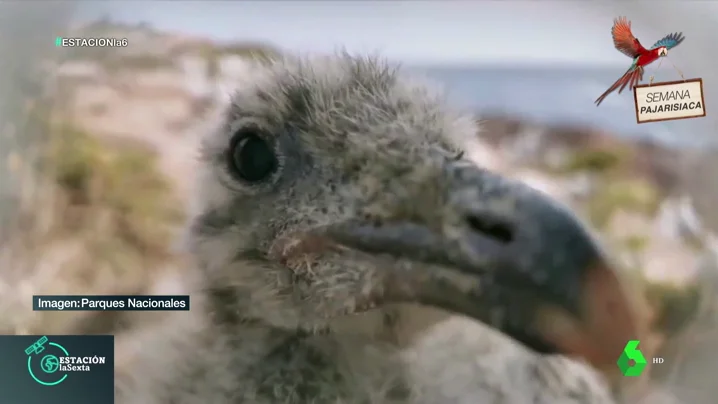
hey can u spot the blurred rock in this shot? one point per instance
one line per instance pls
(553, 147)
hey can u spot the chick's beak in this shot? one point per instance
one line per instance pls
(512, 258)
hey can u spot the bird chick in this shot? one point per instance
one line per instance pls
(336, 186)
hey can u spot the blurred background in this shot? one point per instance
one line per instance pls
(97, 143)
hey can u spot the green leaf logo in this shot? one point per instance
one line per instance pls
(631, 353)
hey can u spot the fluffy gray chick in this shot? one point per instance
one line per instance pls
(335, 187)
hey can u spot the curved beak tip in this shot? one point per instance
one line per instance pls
(608, 320)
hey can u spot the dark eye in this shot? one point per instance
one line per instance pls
(251, 158)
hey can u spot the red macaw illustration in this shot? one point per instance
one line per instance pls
(627, 44)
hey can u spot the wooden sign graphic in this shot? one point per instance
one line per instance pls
(669, 100)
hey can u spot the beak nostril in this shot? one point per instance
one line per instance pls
(502, 232)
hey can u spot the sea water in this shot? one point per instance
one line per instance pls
(565, 95)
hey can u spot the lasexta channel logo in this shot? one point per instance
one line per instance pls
(49, 363)
(632, 362)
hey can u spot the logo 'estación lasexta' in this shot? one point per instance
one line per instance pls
(49, 363)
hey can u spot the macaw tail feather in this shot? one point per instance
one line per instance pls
(629, 79)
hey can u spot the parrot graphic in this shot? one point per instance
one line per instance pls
(626, 43)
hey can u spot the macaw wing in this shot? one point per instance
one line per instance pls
(623, 38)
(670, 40)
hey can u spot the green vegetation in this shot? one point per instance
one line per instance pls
(675, 306)
(598, 161)
(633, 195)
(619, 189)
(98, 54)
(259, 52)
(635, 243)
(138, 62)
(113, 61)
(114, 195)
(99, 218)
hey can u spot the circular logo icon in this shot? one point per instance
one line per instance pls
(50, 363)
(43, 362)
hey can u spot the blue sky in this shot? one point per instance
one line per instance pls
(545, 32)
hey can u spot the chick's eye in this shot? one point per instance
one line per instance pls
(251, 158)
